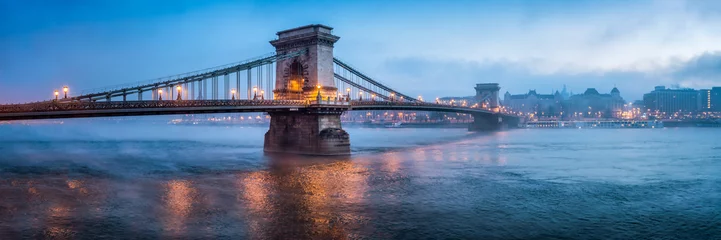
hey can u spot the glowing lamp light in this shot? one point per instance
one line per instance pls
(65, 89)
(347, 89)
(57, 93)
(232, 91)
(178, 88)
(160, 91)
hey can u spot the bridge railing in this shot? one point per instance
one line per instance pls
(86, 105)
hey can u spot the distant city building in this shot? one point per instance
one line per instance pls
(532, 102)
(564, 93)
(704, 100)
(593, 104)
(716, 99)
(666, 101)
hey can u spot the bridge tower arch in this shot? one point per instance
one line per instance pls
(488, 93)
(298, 78)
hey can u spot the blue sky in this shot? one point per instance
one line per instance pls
(429, 48)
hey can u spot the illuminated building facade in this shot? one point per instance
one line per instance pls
(532, 102)
(666, 101)
(592, 104)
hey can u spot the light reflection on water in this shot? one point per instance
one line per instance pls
(158, 181)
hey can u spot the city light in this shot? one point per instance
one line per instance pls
(179, 90)
(65, 90)
(56, 94)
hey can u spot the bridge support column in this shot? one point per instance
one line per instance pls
(492, 122)
(486, 122)
(311, 133)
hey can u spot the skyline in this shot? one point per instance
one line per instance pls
(413, 47)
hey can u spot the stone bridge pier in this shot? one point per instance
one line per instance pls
(492, 122)
(314, 132)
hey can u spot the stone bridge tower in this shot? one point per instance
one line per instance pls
(488, 93)
(298, 78)
(315, 130)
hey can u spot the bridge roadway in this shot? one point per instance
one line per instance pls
(84, 109)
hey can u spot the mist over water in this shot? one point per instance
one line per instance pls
(142, 180)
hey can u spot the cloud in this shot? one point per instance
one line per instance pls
(702, 71)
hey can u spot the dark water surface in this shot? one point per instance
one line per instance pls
(143, 181)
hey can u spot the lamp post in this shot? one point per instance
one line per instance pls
(56, 95)
(393, 97)
(262, 94)
(65, 90)
(179, 90)
(255, 93)
(160, 94)
(373, 97)
(232, 93)
(360, 96)
(347, 90)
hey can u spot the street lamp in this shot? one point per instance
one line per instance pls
(255, 93)
(232, 93)
(65, 90)
(179, 90)
(347, 90)
(160, 94)
(393, 96)
(318, 97)
(56, 95)
(360, 96)
(262, 94)
(373, 97)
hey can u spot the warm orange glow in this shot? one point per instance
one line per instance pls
(56, 93)
(318, 86)
(178, 88)
(65, 89)
(232, 91)
(255, 89)
(360, 93)
(160, 91)
(262, 92)
(347, 89)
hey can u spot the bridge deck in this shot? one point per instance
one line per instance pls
(80, 109)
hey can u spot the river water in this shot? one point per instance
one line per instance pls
(82, 180)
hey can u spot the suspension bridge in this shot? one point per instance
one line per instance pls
(302, 86)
